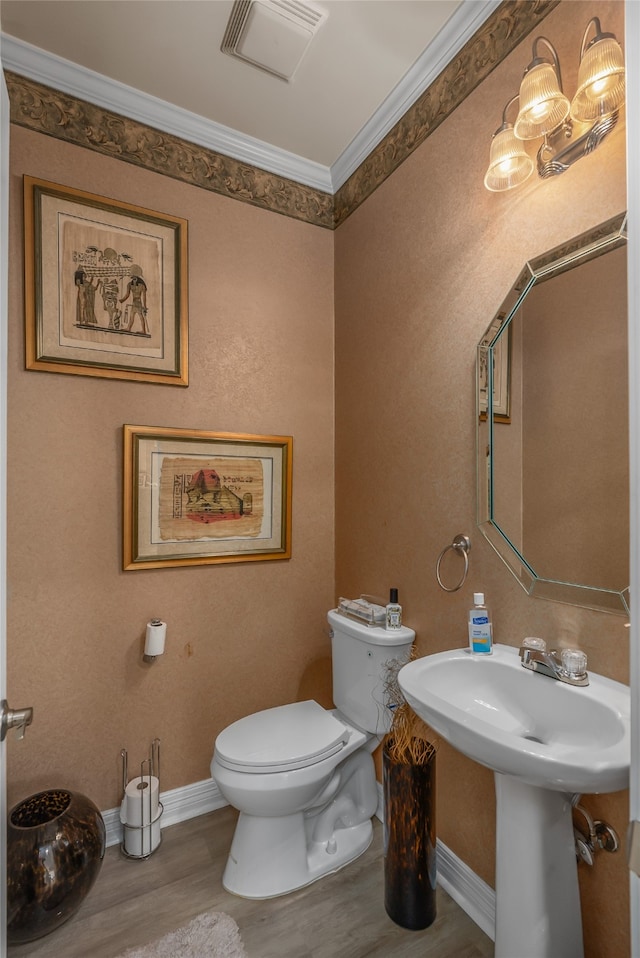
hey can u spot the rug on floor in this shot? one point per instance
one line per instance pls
(212, 935)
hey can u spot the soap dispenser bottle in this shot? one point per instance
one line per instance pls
(394, 611)
(480, 631)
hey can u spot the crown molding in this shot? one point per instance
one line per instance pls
(70, 78)
(67, 77)
(495, 38)
(468, 18)
(99, 115)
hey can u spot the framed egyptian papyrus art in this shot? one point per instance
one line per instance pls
(193, 497)
(105, 287)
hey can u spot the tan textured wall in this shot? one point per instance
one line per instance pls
(240, 637)
(421, 268)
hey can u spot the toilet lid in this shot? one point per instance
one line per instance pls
(281, 739)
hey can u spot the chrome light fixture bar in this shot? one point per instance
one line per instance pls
(545, 112)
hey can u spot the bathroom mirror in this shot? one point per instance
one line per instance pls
(552, 436)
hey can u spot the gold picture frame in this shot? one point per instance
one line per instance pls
(194, 497)
(106, 287)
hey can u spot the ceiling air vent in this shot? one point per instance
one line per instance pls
(271, 34)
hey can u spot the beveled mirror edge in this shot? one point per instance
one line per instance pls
(568, 593)
(580, 249)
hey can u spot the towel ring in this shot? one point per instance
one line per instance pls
(461, 544)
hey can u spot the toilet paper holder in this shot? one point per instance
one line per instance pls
(140, 840)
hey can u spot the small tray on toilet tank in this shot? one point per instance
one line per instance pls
(372, 634)
(362, 610)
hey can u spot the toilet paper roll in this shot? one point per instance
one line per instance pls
(140, 815)
(156, 634)
(141, 800)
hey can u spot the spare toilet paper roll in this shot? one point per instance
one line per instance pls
(140, 814)
(156, 634)
(141, 800)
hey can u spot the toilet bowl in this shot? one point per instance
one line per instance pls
(303, 777)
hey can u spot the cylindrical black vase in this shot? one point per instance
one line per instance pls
(55, 847)
(410, 840)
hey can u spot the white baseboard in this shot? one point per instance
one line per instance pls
(469, 891)
(180, 804)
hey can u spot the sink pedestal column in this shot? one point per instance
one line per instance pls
(537, 897)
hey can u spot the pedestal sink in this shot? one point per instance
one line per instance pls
(544, 741)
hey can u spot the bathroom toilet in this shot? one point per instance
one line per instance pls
(303, 777)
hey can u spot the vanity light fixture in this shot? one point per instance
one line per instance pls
(543, 105)
(600, 77)
(544, 111)
(509, 162)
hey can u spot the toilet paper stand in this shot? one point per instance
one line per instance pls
(140, 836)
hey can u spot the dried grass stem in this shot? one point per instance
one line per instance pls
(408, 740)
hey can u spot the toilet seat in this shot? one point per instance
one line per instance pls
(281, 739)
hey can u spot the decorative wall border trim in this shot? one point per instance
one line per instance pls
(64, 116)
(44, 110)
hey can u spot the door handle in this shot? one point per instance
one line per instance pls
(14, 718)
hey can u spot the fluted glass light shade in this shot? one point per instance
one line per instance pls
(601, 84)
(545, 112)
(543, 105)
(509, 163)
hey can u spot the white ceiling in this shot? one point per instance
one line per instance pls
(159, 61)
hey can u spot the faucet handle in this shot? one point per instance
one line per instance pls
(533, 642)
(574, 661)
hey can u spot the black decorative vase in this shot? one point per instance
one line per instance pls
(55, 848)
(409, 840)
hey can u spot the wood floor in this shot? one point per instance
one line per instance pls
(340, 916)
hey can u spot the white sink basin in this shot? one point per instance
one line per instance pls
(520, 723)
(544, 740)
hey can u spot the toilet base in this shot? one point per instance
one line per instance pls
(274, 856)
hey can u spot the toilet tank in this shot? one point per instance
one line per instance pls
(360, 654)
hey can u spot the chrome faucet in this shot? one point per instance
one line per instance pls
(569, 666)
